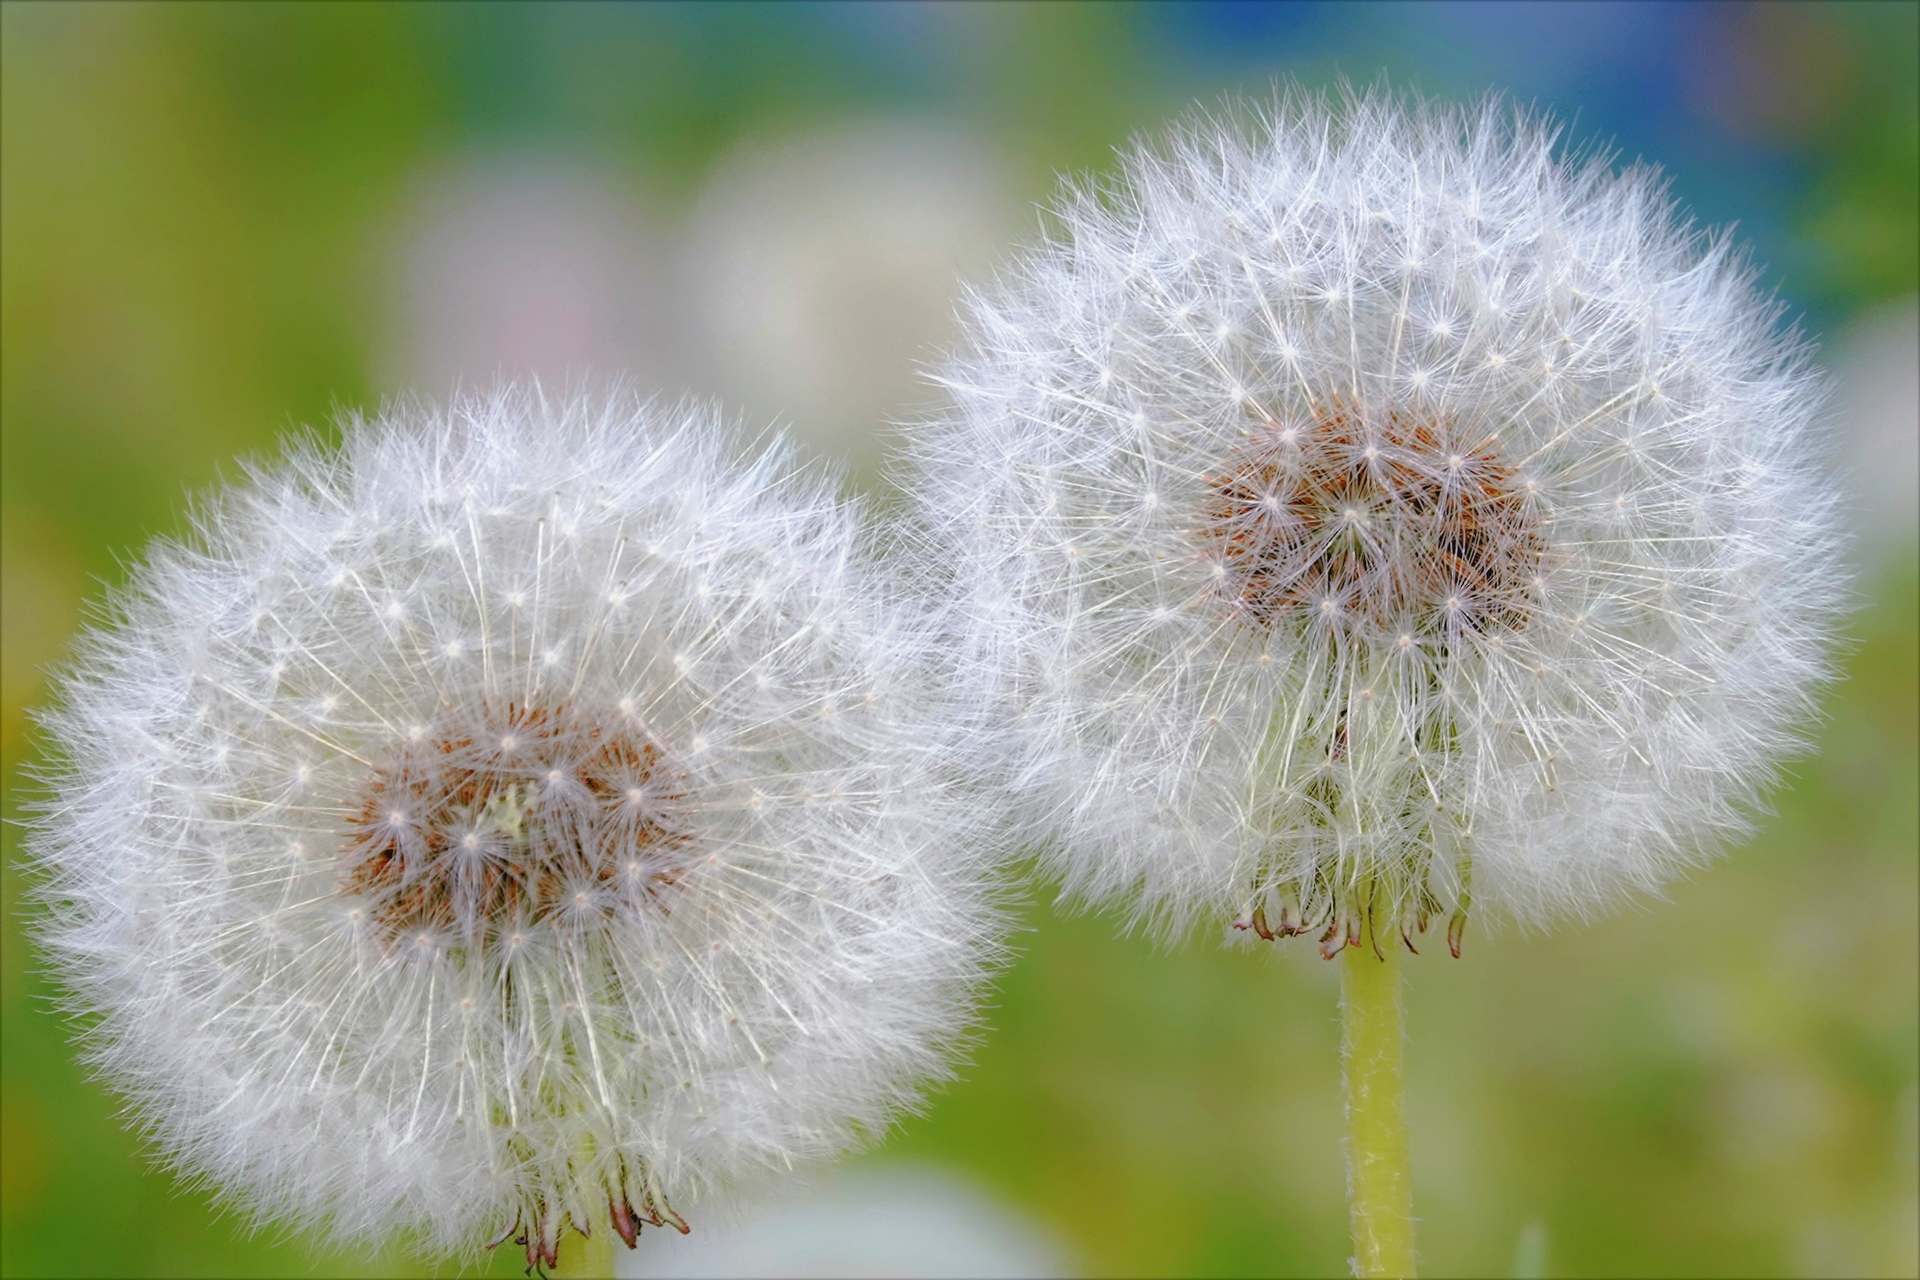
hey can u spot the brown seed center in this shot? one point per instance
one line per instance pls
(1405, 528)
(480, 826)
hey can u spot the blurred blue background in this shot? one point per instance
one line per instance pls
(220, 221)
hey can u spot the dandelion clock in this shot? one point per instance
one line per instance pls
(511, 826)
(1373, 516)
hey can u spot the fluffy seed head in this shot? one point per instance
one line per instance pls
(1362, 506)
(531, 813)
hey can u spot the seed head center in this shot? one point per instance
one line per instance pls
(492, 822)
(1379, 526)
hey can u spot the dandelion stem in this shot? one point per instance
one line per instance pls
(1379, 1186)
(589, 1259)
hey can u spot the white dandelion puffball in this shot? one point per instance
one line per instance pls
(1371, 508)
(531, 814)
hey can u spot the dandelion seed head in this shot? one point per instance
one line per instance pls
(1500, 520)
(526, 947)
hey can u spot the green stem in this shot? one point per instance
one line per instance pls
(590, 1258)
(1379, 1186)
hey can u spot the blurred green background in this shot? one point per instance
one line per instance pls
(220, 221)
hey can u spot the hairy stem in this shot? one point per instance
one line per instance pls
(590, 1258)
(1379, 1186)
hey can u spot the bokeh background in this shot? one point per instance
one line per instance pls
(219, 222)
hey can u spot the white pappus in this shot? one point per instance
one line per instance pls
(1363, 506)
(532, 813)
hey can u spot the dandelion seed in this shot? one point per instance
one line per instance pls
(1637, 589)
(537, 955)
(1472, 635)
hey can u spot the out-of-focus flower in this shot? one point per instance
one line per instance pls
(807, 281)
(878, 1220)
(1373, 508)
(1876, 364)
(512, 266)
(819, 270)
(531, 813)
